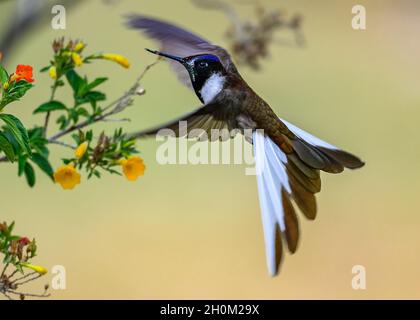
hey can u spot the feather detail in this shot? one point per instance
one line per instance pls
(272, 178)
(320, 154)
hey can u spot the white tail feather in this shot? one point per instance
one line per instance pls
(272, 178)
(311, 139)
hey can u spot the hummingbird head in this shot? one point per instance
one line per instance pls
(206, 72)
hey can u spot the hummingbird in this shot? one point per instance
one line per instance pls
(291, 158)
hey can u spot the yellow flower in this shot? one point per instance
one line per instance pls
(67, 176)
(77, 59)
(39, 269)
(81, 150)
(121, 60)
(79, 46)
(133, 167)
(53, 72)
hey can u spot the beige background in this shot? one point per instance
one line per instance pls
(195, 231)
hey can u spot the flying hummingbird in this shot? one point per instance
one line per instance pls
(291, 158)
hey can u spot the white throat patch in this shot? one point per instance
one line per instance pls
(212, 87)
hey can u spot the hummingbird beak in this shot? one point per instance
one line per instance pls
(179, 59)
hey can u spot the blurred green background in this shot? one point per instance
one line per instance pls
(185, 231)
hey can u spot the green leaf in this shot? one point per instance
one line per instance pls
(50, 106)
(63, 122)
(91, 97)
(30, 174)
(82, 112)
(16, 91)
(21, 165)
(73, 115)
(7, 147)
(43, 164)
(95, 83)
(75, 81)
(45, 69)
(35, 133)
(4, 77)
(17, 130)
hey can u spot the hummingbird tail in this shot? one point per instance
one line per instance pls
(283, 178)
(321, 155)
(277, 214)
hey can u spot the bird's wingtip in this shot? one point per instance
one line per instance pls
(131, 20)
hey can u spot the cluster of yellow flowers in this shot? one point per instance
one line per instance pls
(68, 176)
(76, 57)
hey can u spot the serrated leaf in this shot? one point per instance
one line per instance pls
(50, 106)
(17, 130)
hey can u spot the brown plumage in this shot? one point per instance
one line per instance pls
(236, 106)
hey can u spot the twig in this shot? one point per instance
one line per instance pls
(6, 295)
(28, 280)
(13, 273)
(4, 270)
(47, 117)
(115, 107)
(24, 277)
(30, 294)
(117, 120)
(64, 144)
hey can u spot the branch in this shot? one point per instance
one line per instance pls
(45, 295)
(24, 277)
(47, 117)
(63, 144)
(115, 107)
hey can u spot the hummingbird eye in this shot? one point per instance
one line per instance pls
(203, 64)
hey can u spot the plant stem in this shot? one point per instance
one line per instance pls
(4, 270)
(45, 295)
(47, 117)
(115, 107)
(63, 144)
(25, 277)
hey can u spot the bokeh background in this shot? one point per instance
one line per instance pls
(185, 231)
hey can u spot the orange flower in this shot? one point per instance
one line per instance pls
(133, 167)
(23, 73)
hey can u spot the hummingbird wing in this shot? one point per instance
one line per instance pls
(196, 124)
(179, 42)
